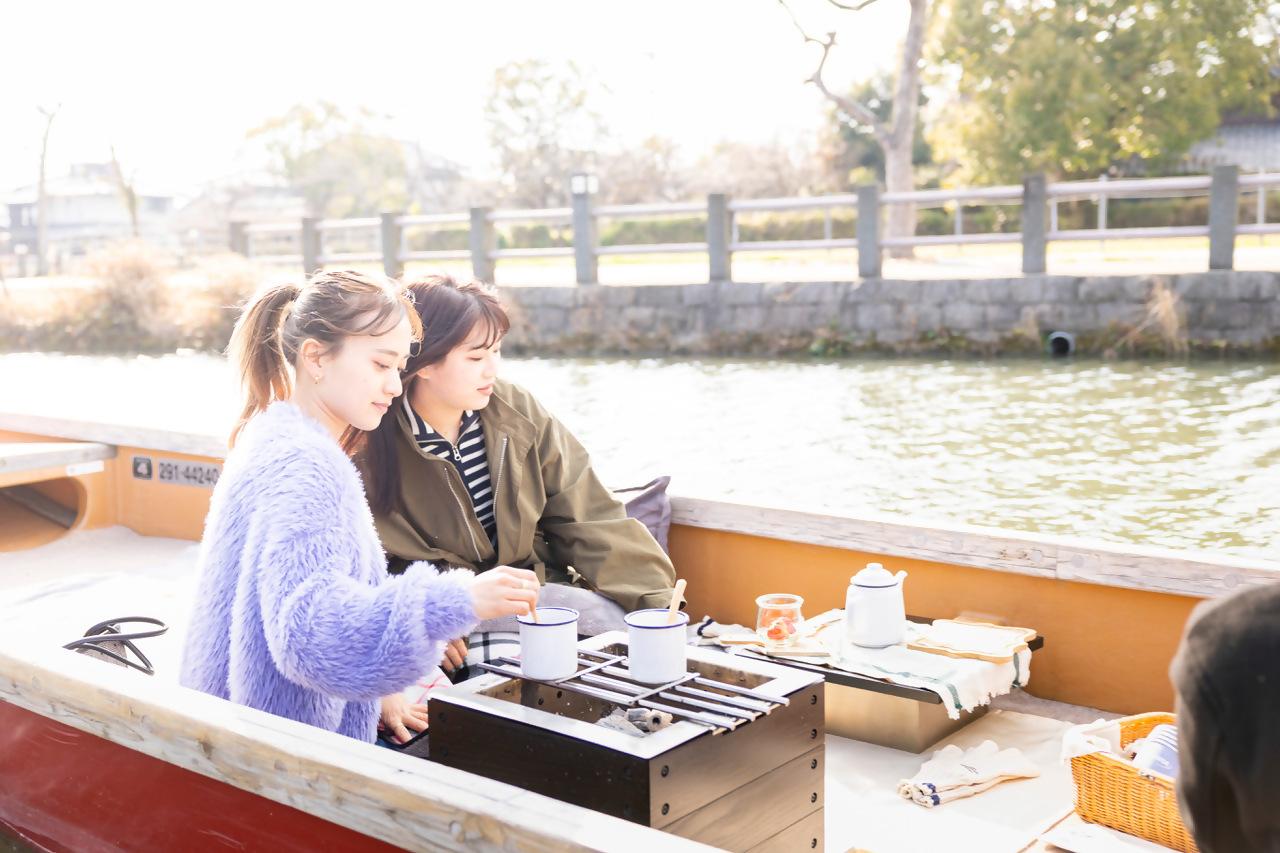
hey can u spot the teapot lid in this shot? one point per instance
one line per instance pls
(874, 576)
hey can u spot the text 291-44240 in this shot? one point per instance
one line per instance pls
(188, 473)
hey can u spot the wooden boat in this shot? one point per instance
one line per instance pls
(97, 757)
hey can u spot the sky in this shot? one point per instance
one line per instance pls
(175, 86)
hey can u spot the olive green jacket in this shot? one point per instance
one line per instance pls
(553, 514)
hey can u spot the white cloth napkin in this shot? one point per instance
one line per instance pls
(1098, 736)
(954, 773)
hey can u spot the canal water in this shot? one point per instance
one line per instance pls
(1183, 455)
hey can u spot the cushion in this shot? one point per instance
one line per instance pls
(649, 505)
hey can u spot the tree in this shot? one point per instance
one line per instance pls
(543, 128)
(852, 154)
(42, 200)
(1075, 89)
(648, 172)
(335, 161)
(895, 134)
(761, 170)
(128, 197)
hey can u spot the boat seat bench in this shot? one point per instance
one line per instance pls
(23, 464)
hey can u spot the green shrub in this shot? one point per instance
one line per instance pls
(439, 240)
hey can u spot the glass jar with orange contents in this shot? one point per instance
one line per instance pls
(778, 619)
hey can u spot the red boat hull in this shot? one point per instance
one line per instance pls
(64, 789)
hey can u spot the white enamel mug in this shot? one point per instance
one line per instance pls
(655, 648)
(549, 647)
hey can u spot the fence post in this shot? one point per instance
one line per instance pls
(584, 228)
(1224, 191)
(310, 245)
(719, 238)
(1035, 196)
(483, 239)
(868, 231)
(239, 239)
(390, 236)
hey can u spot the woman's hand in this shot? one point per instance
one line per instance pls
(398, 717)
(504, 591)
(455, 655)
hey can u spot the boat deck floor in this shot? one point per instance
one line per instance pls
(52, 593)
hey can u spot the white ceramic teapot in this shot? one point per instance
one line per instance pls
(874, 613)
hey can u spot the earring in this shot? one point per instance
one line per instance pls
(317, 378)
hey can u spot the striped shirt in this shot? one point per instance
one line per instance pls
(468, 457)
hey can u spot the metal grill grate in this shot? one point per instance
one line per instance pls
(715, 704)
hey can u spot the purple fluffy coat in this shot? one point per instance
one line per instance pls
(295, 613)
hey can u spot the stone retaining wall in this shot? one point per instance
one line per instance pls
(1221, 312)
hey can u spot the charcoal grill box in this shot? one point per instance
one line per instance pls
(757, 785)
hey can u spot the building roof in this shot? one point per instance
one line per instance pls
(1253, 146)
(82, 180)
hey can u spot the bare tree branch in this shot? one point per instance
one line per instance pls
(858, 112)
(804, 35)
(855, 110)
(851, 7)
(42, 201)
(128, 196)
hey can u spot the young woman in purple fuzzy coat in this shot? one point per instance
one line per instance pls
(296, 614)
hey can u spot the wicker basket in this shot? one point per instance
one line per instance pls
(1114, 793)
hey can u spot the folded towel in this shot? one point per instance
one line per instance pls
(1098, 736)
(954, 773)
(962, 683)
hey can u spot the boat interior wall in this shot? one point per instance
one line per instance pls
(395, 798)
(1064, 558)
(1108, 647)
(155, 508)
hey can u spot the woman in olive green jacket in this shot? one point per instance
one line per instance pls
(536, 504)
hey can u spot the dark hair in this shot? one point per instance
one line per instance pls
(329, 308)
(449, 312)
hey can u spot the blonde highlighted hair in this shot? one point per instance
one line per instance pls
(329, 308)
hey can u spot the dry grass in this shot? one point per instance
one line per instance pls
(1164, 324)
(131, 299)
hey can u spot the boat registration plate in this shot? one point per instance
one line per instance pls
(187, 473)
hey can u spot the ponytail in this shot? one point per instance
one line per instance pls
(257, 350)
(331, 307)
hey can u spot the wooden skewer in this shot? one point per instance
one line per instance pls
(677, 595)
(533, 612)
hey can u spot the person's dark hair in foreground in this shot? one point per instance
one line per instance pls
(1227, 678)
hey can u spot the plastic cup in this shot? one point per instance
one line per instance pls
(1159, 752)
(549, 647)
(656, 647)
(778, 619)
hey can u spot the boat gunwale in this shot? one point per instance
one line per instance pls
(388, 795)
(1055, 557)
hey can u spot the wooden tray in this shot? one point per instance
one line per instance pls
(1012, 640)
